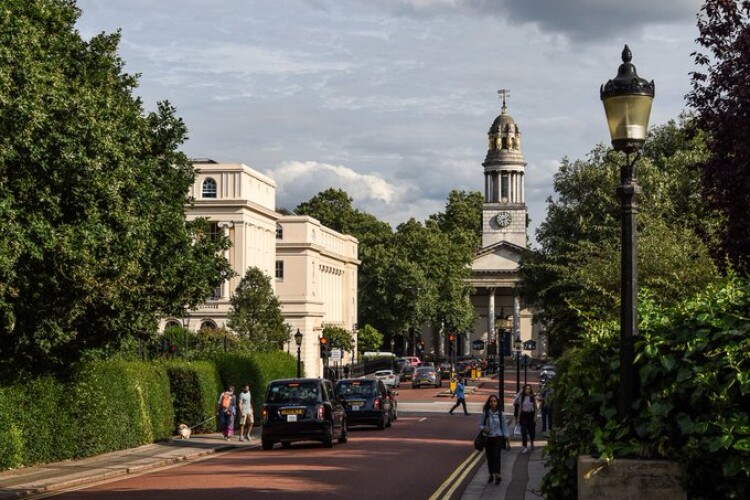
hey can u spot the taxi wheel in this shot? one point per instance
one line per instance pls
(344, 433)
(328, 438)
(382, 423)
(286, 445)
(266, 444)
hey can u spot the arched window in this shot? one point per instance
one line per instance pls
(172, 324)
(209, 188)
(208, 324)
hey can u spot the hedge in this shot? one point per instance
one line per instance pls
(116, 404)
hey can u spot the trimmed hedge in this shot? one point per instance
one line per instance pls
(195, 387)
(116, 404)
(255, 369)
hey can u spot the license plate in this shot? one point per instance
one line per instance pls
(355, 408)
(291, 418)
(292, 411)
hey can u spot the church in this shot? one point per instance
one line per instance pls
(501, 319)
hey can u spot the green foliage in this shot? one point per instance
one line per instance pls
(256, 314)
(194, 387)
(693, 360)
(94, 246)
(577, 268)
(369, 339)
(340, 338)
(255, 369)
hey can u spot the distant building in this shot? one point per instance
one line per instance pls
(313, 269)
(504, 241)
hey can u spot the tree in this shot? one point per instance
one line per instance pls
(339, 338)
(575, 274)
(721, 97)
(369, 339)
(255, 314)
(95, 247)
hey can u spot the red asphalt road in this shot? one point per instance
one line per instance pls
(409, 460)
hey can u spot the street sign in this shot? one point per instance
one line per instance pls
(335, 354)
(477, 345)
(529, 345)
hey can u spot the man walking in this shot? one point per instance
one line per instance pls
(460, 397)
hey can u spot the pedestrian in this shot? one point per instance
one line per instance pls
(545, 398)
(460, 396)
(246, 413)
(526, 402)
(494, 424)
(226, 408)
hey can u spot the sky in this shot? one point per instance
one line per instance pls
(391, 100)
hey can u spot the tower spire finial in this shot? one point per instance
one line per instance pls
(504, 93)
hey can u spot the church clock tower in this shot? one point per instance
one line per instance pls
(504, 209)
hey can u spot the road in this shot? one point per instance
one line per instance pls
(425, 454)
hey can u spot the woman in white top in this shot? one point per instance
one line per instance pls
(495, 425)
(527, 415)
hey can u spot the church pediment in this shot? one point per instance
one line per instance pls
(502, 256)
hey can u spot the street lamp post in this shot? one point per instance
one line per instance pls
(185, 324)
(393, 354)
(517, 351)
(502, 323)
(627, 103)
(298, 341)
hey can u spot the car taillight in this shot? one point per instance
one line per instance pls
(264, 414)
(376, 404)
(321, 412)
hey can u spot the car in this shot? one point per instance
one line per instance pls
(366, 402)
(412, 360)
(392, 393)
(304, 409)
(426, 375)
(547, 372)
(388, 377)
(446, 369)
(406, 373)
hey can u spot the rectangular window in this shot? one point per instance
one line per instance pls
(213, 231)
(280, 269)
(505, 187)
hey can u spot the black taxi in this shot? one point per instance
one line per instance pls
(302, 410)
(367, 402)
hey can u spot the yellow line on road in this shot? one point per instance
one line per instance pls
(460, 473)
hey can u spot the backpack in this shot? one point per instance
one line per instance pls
(226, 402)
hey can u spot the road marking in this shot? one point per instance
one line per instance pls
(458, 475)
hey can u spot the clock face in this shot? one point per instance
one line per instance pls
(503, 219)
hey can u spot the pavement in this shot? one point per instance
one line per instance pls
(521, 472)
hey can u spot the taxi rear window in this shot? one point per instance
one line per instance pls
(293, 392)
(356, 388)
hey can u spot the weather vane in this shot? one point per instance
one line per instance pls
(505, 93)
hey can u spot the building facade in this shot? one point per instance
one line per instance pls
(313, 269)
(500, 315)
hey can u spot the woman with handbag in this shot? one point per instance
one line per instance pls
(527, 402)
(496, 428)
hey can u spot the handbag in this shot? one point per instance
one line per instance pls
(517, 430)
(480, 440)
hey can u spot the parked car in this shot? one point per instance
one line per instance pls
(388, 377)
(412, 360)
(392, 393)
(426, 375)
(407, 373)
(546, 372)
(302, 410)
(446, 369)
(366, 402)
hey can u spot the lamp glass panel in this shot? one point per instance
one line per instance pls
(627, 116)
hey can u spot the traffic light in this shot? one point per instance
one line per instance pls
(325, 347)
(451, 339)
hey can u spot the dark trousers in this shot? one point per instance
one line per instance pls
(528, 427)
(492, 448)
(546, 418)
(461, 401)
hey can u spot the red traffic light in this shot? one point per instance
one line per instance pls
(451, 337)
(323, 340)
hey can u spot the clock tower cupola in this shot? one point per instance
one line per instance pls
(504, 209)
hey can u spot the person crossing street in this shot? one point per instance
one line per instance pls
(460, 396)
